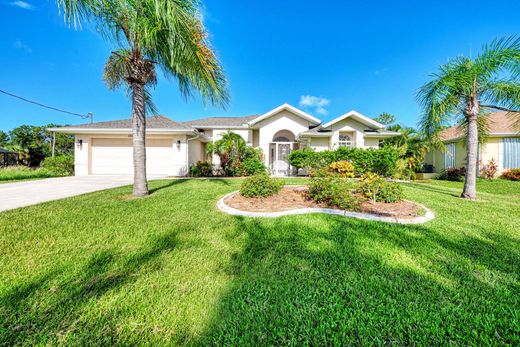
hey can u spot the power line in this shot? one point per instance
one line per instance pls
(84, 116)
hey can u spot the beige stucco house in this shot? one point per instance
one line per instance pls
(106, 147)
(502, 145)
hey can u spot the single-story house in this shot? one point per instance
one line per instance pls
(502, 145)
(171, 147)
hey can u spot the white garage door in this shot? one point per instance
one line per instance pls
(115, 157)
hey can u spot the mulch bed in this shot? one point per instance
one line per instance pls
(290, 198)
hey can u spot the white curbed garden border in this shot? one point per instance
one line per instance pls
(428, 216)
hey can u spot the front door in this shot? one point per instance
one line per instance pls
(279, 159)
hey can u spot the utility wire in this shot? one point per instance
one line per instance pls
(88, 115)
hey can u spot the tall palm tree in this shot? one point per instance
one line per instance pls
(466, 90)
(167, 34)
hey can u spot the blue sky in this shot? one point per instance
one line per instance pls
(370, 56)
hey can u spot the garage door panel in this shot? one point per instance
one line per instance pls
(115, 156)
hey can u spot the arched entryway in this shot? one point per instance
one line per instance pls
(284, 141)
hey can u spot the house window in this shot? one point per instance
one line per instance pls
(449, 156)
(511, 152)
(345, 140)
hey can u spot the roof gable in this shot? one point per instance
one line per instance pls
(357, 116)
(286, 107)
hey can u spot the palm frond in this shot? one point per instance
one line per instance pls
(442, 97)
(116, 68)
(502, 54)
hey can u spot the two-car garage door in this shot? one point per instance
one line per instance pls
(114, 156)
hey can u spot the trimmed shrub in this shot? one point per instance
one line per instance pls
(260, 186)
(301, 158)
(342, 168)
(391, 192)
(61, 165)
(376, 188)
(201, 169)
(334, 191)
(511, 174)
(452, 174)
(382, 161)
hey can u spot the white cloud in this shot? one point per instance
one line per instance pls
(22, 4)
(18, 44)
(316, 103)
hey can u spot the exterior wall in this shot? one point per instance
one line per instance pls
(284, 120)
(491, 149)
(196, 151)
(372, 142)
(82, 155)
(175, 163)
(353, 128)
(319, 143)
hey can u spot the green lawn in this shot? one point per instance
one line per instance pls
(104, 268)
(21, 173)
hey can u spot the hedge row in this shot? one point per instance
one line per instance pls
(382, 161)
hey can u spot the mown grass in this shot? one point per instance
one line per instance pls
(171, 269)
(19, 173)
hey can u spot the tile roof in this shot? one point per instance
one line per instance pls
(153, 122)
(498, 123)
(220, 121)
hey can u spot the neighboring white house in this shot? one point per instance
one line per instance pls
(105, 148)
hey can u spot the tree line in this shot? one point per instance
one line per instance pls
(34, 143)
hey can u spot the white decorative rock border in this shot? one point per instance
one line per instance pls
(428, 216)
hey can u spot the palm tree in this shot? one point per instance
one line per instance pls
(167, 34)
(228, 148)
(467, 90)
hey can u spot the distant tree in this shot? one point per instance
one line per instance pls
(469, 89)
(35, 143)
(4, 138)
(385, 118)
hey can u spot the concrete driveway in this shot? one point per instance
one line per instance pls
(25, 193)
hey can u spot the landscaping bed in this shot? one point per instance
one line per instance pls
(297, 197)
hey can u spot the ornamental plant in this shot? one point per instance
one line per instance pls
(376, 188)
(334, 191)
(342, 168)
(490, 170)
(260, 186)
(201, 169)
(511, 174)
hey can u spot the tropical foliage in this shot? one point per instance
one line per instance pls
(34, 143)
(382, 161)
(260, 185)
(168, 34)
(466, 89)
(61, 165)
(236, 157)
(201, 169)
(376, 188)
(412, 146)
(511, 174)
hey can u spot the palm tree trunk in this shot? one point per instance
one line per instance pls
(470, 183)
(138, 137)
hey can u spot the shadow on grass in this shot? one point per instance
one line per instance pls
(434, 189)
(343, 282)
(50, 305)
(163, 184)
